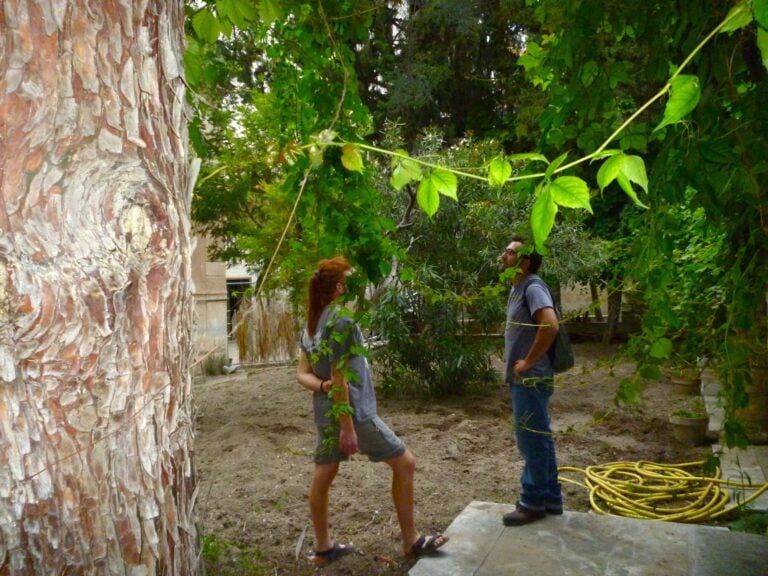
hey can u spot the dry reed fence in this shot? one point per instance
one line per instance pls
(265, 331)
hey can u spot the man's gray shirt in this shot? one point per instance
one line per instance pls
(520, 329)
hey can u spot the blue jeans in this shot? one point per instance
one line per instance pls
(536, 445)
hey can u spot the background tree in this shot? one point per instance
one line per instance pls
(448, 64)
(95, 311)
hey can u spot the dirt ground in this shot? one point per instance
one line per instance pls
(255, 438)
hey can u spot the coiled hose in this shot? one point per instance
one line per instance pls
(666, 492)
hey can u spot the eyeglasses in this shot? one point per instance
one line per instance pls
(509, 251)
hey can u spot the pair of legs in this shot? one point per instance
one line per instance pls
(540, 487)
(403, 467)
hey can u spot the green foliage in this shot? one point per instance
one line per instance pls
(695, 253)
(426, 353)
(271, 185)
(751, 522)
(226, 558)
(287, 167)
(690, 407)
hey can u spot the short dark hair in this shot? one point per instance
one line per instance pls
(533, 257)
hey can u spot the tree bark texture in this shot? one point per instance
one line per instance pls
(96, 421)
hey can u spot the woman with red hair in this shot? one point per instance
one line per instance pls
(345, 414)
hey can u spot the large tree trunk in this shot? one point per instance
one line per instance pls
(95, 314)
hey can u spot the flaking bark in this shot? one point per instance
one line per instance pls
(96, 421)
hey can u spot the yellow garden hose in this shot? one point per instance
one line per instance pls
(666, 492)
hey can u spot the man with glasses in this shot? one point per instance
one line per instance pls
(531, 328)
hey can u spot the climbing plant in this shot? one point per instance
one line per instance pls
(697, 252)
(659, 103)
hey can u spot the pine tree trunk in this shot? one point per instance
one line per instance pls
(96, 421)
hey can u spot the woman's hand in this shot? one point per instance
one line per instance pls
(348, 440)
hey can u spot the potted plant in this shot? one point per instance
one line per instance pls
(690, 421)
(685, 377)
(685, 366)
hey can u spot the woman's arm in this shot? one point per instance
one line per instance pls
(309, 379)
(347, 434)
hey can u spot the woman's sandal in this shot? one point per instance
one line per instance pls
(427, 545)
(325, 557)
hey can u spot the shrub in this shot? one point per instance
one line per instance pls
(214, 364)
(426, 351)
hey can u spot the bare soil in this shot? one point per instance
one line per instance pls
(255, 438)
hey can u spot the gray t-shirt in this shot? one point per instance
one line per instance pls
(334, 339)
(520, 329)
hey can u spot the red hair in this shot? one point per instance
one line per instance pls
(322, 286)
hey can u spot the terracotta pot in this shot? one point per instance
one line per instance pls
(686, 381)
(690, 430)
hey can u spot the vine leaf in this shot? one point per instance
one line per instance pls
(760, 10)
(555, 165)
(739, 16)
(684, 94)
(404, 170)
(625, 169)
(661, 348)
(543, 217)
(634, 169)
(649, 371)
(193, 61)
(589, 72)
(499, 171)
(629, 391)
(605, 154)
(239, 12)
(206, 25)
(444, 182)
(428, 197)
(351, 158)
(571, 192)
(762, 44)
(270, 10)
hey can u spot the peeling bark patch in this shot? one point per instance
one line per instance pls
(7, 364)
(137, 228)
(109, 142)
(83, 49)
(3, 292)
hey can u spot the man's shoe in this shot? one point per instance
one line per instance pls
(522, 515)
(554, 509)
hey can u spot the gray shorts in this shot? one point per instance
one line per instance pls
(374, 439)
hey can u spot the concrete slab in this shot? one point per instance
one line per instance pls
(586, 544)
(748, 466)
